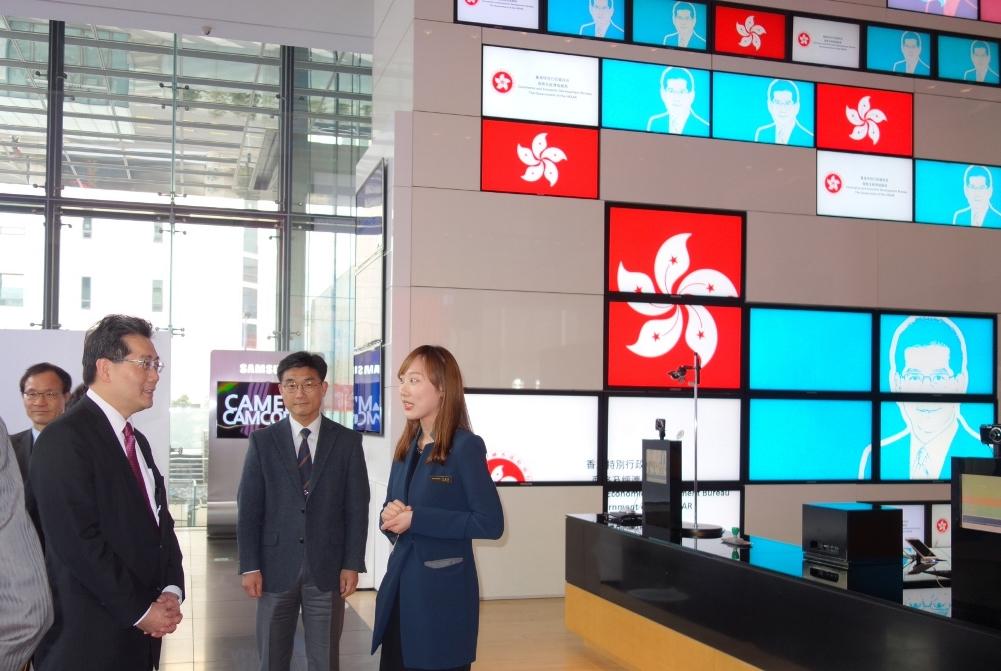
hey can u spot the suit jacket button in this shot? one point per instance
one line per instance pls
(300, 540)
(303, 511)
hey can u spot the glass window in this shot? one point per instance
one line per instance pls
(24, 45)
(157, 295)
(84, 293)
(11, 290)
(157, 232)
(22, 245)
(88, 227)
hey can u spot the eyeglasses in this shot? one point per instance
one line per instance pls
(937, 379)
(35, 395)
(146, 364)
(306, 385)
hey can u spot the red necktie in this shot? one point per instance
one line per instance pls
(130, 452)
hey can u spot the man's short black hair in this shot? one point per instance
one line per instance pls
(46, 367)
(106, 340)
(303, 360)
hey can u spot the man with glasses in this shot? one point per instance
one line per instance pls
(927, 356)
(677, 92)
(302, 521)
(783, 106)
(978, 187)
(684, 17)
(113, 559)
(45, 388)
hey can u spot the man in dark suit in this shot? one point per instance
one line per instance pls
(113, 560)
(302, 521)
(44, 389)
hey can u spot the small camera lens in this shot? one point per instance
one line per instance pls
(995, 434)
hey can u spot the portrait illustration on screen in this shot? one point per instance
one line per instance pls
(910, 49)
(783, 106)
(927, 355)
(980, 57)
(978, 187)
(602, 22)
(962, 8)
(685, 35)
(677, 91)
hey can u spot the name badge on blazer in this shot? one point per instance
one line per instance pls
(444, 479)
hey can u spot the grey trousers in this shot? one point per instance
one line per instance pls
(322, 622)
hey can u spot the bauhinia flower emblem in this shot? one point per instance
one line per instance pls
(750, 33)
(866, 120)
(657, 337)
(541, 160)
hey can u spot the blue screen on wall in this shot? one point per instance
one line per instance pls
(967, 59)
(936, 354)
(810, 350)
(605, 19)
(807, 439)
(670, 23)
(898, 50)
(762, 109)
(919, 438)
(655, 98)
(959, 194)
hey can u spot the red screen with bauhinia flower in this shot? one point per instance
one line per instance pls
(648, 340)
(671, 252)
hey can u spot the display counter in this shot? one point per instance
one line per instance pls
(664, 603)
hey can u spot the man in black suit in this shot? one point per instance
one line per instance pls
(113, 560)
(44, 390)
(302, 521)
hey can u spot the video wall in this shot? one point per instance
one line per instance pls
(542, 112)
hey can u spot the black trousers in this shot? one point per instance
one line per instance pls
(392, 650)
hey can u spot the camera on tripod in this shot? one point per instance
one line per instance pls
(990, 434)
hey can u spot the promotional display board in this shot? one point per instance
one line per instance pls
(810, 350)
(671, 23)
(763, 109)
(898, 50)
(825, 42)
(870, 187)
(631, 419)
(967, 59)
(537, 437)
(874, 121)
(539, 159)
(654, 98)
(540, 86)
(747, 31)
(604, 19)
(507, 13)
(959, 194)
(368, 391)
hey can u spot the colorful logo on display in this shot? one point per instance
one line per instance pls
(244, 407)
(368, 391)
(833, 182)
(761, 34)
(505, 468)
(502, 81)
(867, 120)
(942, 525)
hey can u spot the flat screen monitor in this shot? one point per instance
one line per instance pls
(793, 439)
(864, 186)
(958, 194)
(936, 354)
(602, 19)
(810, 350)
(763, 109)
(919, 438)
(967, 59)
(507, 13)
(981, 502)
(671, 23)
(990, 10)
(941, 525)
(966, 9)
(540, 86)
(824, 42)
(899, 50)
(654, 98)
(874, 121)
(750, 31)
(537, 437)
(368, 390)
(631, 419)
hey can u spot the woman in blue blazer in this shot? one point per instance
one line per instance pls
(440, 497)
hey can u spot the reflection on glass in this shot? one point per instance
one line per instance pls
(24, 46)
(22, 244)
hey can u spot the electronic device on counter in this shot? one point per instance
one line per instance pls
(922, 551)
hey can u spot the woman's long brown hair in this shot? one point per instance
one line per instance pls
(443, 372)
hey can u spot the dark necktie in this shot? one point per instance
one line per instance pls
(305, 462)
(130, 452)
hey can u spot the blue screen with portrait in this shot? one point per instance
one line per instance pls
(919, 438)
(811, 350)
(605, 19)
(632, 98)
(898, 50)
(925, 354)
(807, 439)
(957, 193)
(968, 60)
(670, 23)
(762, 109)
